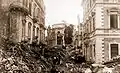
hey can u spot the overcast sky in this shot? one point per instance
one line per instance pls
(59, 10)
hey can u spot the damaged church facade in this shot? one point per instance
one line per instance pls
(22, 20)
(101, 30)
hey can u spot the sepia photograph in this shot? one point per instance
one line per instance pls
(59, 36)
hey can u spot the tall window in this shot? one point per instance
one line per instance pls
(38, 13)
(30, 6)
(29, 29)
(37, 31)
(113, 21)
(94, 50)
(23, 27)
(114, 50)
(34, 10)
(23, 30)
(93, 21)
(33, 31)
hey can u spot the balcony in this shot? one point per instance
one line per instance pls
(18, 6)
(35, 19)
(86, 36)
(42, 25)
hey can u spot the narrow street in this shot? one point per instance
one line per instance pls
(59, 36)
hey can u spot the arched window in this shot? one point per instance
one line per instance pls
(33, 31)
(36, 12)
(37, 32)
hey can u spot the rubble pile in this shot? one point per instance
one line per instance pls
(22, 58)
(30, 58)
(37, 58)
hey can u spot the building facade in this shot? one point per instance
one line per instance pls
(75, 38)
(101, 30)
(50, 36)
(56, 34)
(24, 20)
(80, 30)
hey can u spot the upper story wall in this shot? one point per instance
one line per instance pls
(98, 15)
(89, 5)
(36, 8)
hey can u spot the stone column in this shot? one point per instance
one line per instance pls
(39, 36)
(20, 28)
(32, 33)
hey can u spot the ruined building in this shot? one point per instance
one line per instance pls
(22, 20)
(56, 34)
